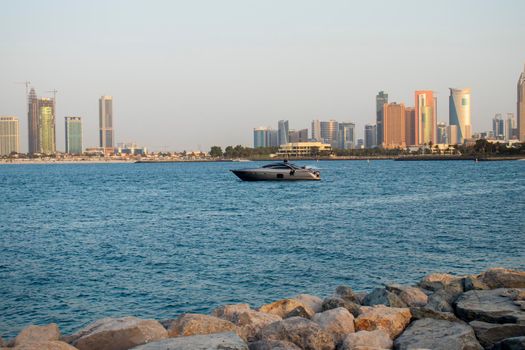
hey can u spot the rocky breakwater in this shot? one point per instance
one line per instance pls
(442, 311)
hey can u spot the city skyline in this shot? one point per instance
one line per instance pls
(191, 79)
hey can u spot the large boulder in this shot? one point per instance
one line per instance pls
(38, 333)
(215, 341)
(288, 308)
(473, 282)
(118, 334)
(493, 306)
(365, 340)
(195, 324)
(250, 323)
(503, 278)
(337, 322)
(489, 334)
(230, 311)
(516, 343)
(335, 302)
(441, 301)
(380, 296)
(346, 293)
(437, 281)
(44, 345)
(314, 302)
(425, 312)
(389, 319)
(304, 333)
(435, 334)
(411, 296)
(273, 345)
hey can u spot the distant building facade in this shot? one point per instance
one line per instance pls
(498, 127)
(298, 135)
(370, 136)
(394, 125)
(46, 126)
(106, 132)
(442, 133)
(521, 107)
(73, 131)
(282, 132)
(9, 135)
(511, 130)
(411, 126)
(304, 149)
(425, 110)
(329, 131)
(346, 135)
(32, 123)
(452, 135)
(381, 100)
(459, 113)
(316, 130)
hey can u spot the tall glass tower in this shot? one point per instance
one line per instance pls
(106, 122)
(73, 135)
(381, 99)
(46, 126)
(282, 132)
(32, 122)
(521, 107)
(459, 113)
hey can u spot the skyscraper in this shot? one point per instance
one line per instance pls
(441, 133)
(521, 106)
(282, 132)
(107, 136)
(370, 136)
(498, 127)
(510, 127)
(394, 125)
(264, 137)
(346, 135)
(32, 123)
(425, 108)
(329, 132)
(411, 126)
(298, 135)
(9, 135)
(73, 135)
(316, 130)
(459, 113)
(452, 135)
(46, 126)
(381, 100)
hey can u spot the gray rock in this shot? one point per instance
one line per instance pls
(314, 302)
(215, 341)
(437, 281)
(493, 306)
(503, 278)
(367, 340)
(424, 312)
(335, 302)
(273, 345)
(300, 331)
(411, 296)
(439, 301)
(229, 312)
(435, 334)
(516, 343)
(473, 282)
(380, 296)
(489, 334)
(346, 293)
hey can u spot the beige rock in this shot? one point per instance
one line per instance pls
(338, 322)
(251, 322)
(118, 334)
(304, 333)
(315, 303)
(367, 340)
(44, 345)
(194, 324)
(38, 333)
(335, 302)
(503, 278)
(389, 319)
(436, 281)
(273, 345)
(411, 296)
(229, 312)
(215, 341)
(288, 308)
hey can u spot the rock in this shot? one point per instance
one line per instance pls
(315, 303)
(273, 345)
(411, 296)
(437, 281)
(424, 312)
(229, 312)
(251, 322)
(288, 308)
(435, 334)
(473, 282)
(489, 334)
(335, 302)
(44, 345)
(380, 296)
(215, 341)
(300, 331)
(360, 297)
(439, 301)
(195, 324)
(516, 343)
(118, 334)
(391, 320)
(488, 306)
(346, 293)
(503, 278)
(338, 322)
(38, 333)
(367, 340)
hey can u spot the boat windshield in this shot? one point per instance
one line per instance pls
(281, 166)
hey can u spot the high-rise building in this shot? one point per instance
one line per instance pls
(9, 135)
(370, 136)
(316, 130)
(498, 126)
(329, 131)
(394, 125)
(442, 133)
(521, 106)
(260, 137)
(411, 126)
(298, 135)
(282, 132)
(274, 138)
(425, 109)
(73, 127)
(510, 127)
(360, 143)
(346, 135)
(381, 100)
(452, 135)
(46, 126)
(32, 123)
(459, 113)
(107, 135)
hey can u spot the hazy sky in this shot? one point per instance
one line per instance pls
(191, 74)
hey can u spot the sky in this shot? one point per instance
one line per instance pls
(186, 75)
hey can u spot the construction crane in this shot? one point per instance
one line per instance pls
(26, 83)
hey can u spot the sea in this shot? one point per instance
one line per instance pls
(79, 242)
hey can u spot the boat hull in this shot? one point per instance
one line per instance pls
(272, 175)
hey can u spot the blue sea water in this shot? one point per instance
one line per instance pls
(85, 241)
